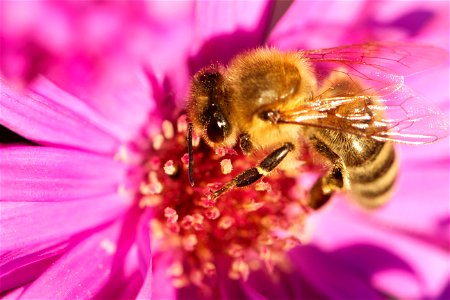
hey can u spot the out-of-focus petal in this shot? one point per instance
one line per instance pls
(20, 266)
(125, 278)
(316, 24)
(54, 174)
(341, 225)
(420, 204)
(82, 271)
(50, 116)
(330, 276)
(222, 29)
(34, 234)
(27, 224)
(120, 92)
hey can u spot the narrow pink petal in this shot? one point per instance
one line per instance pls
(28, 224)
(81, 272)
(50, 116)
(146, 289)
(126, 274)
(225, 28)
(25, 265)
(53, 174)
(422, 194)
(120, 93)
(330, 276)
(340, 225)
(315, 24)
(161, 284)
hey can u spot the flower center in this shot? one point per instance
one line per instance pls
(245, 229)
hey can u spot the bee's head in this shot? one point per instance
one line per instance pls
(208, 104)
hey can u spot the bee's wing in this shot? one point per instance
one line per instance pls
(387, 110)
(391, 113)
(365, 60)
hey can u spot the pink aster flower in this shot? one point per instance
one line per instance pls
(95, 200)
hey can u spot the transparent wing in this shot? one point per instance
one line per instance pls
(364, 60)
(392, 113)
(363, 93)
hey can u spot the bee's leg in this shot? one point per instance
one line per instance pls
(325, 186)
(253, 174)
(245, 143)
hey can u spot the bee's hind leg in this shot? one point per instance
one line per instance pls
(325, 186)
(253, 174)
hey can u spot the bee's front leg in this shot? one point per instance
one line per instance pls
(253, 174)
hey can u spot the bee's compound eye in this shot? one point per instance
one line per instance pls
(218, 127)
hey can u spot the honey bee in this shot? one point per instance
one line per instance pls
(349, 104)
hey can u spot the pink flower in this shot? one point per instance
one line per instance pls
(94, 197)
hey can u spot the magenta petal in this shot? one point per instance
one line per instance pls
(25, 265)
(52, 174)
(330, 276)
(82, 271)
(120, 93)
(315, 24)
(28, 224)
(225, 27)
(48, 115)
(339, 225)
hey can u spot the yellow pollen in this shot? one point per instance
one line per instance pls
(189, 242)
(251, 205)
(187, 222)
(150, 201)
(157, 141)
(171, 215)
(225, 222)
(198, 221)
(153, 187)
(263, 186)
(239, 270)
(196, 278)
(108, 246)
(170, 168)
(235, 250)
(180, 282)
(209, 269)
(156, 228)
(262, 171)
(226, 166)
(122, 154)
(212, 213)
(167, 129)
(182, 124)
(175, 269)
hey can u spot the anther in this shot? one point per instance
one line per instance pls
(212, 213)
(226, 166)
(170, 168)
(167, 129)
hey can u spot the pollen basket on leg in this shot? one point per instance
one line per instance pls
(248, 228)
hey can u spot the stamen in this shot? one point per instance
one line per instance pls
(189, 242)
(251, 227)
(212, 213)
(225, 222)
(157, 141)
(182, 124)
(170, 168)
(175, 269)
(122, 154)
(252, 205)
(225, 165)
(167, 129)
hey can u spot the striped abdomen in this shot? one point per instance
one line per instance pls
(370, 167)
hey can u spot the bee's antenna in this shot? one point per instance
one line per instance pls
(191, 156)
